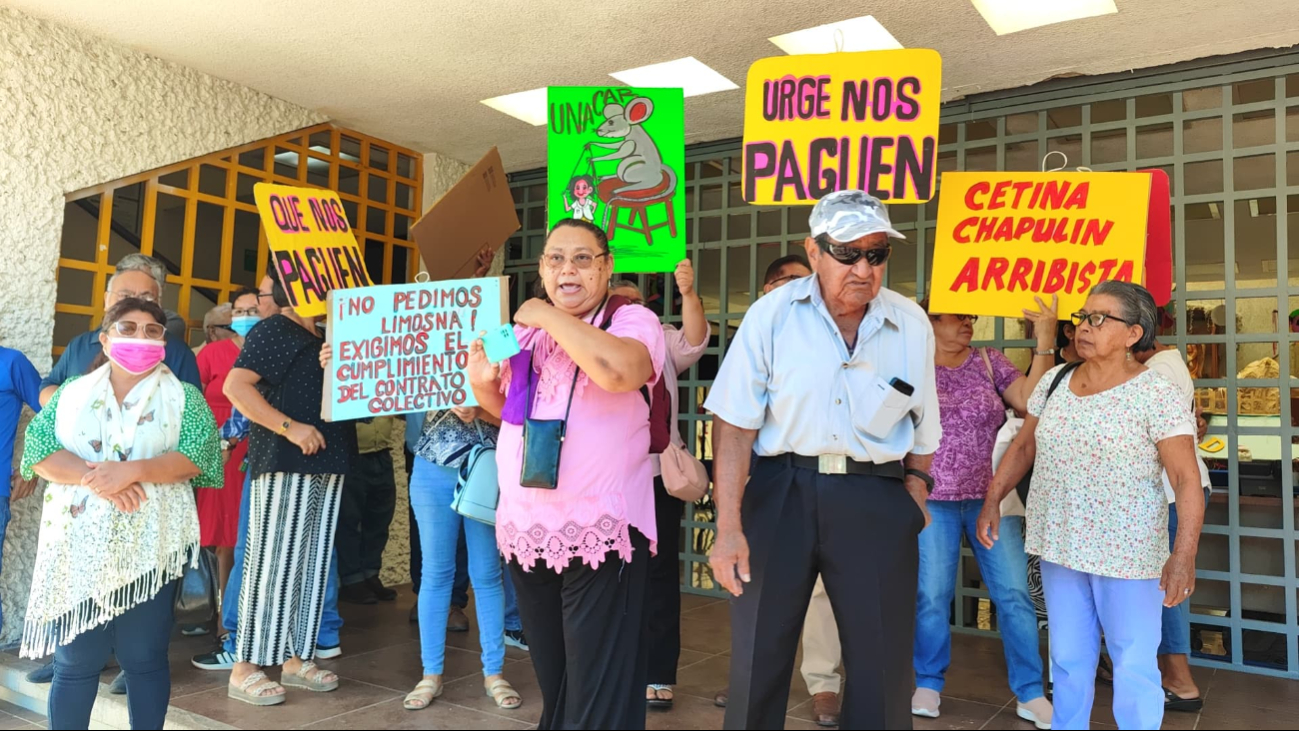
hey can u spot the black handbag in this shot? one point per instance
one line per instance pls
(543, 439)
(196, 592)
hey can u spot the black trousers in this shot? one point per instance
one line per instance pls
(365, 511)
(586, 638)
(416, 556)
(663, 595)
(860, 534)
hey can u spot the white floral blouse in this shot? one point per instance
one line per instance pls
(1097, 504)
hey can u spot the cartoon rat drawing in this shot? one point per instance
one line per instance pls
(642, 166)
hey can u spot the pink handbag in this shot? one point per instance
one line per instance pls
(684, 476)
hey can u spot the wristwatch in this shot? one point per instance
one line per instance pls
(284, 428)
(924, 476)
(1049, 351)
(227, 445)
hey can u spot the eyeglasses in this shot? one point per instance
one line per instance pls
(124, 294)
(580, 260)
(248, 312)
(1095, 319)
(963, 318)
(129, 329)
(849, 255)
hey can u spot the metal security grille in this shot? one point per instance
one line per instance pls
(1227, 134)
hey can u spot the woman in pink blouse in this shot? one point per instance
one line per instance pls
(579, 551)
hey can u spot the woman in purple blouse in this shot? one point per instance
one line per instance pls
(975, 386)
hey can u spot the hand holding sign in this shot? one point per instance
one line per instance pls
(1044, 320)
(480, 370)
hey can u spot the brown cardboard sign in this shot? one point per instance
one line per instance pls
(477, 212)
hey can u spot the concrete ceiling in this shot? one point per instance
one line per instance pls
(413, 71)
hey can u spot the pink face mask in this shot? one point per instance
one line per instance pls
(136, 356)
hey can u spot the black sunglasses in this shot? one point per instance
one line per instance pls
(849, 255)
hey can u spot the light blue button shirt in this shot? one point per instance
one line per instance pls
(789, 375)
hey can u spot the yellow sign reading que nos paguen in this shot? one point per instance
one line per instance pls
(312, 245)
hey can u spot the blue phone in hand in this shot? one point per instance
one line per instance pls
(500, 344)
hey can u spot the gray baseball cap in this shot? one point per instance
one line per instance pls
(848, 215)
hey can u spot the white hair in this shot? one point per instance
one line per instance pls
(142, 263)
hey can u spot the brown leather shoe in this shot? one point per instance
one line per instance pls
(825, 706)
(457, 621)
(722, 696)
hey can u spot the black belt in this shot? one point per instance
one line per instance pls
(830, 464)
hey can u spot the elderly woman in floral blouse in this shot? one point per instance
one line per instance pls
(1097, 515)
(121, 447)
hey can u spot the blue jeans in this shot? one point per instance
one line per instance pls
(431, 489)
(1176, 624)
(1081, 606)
(330, 622)
(139, 637)
(1005, 571)
(4, 525)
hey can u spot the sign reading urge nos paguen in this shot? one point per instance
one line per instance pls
(816, 124)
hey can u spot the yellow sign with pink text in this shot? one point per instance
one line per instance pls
(820, 123)
(312, 245)
(1004, 238)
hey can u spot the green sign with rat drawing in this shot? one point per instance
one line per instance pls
(616, 158)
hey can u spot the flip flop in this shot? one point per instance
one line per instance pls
(656, 701)
(254, 691)
(310, 677)
(1174, 702)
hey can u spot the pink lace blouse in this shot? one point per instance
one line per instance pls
(606, 482)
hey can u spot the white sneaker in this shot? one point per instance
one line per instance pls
(328, 653)
(925, 702)
(1037, 712)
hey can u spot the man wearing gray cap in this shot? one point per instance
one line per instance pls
(826, 421)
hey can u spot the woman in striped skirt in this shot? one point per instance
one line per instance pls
(298, 462)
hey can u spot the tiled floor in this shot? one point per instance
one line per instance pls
(13, 717)
(381, 663)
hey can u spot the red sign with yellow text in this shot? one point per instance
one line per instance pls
(1004, 238)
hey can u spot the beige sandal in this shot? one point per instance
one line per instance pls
(256, 690)
(310, 677)
(501, 691)
(422, 697)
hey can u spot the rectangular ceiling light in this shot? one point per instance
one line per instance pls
(1012, 16)
(689, 74)
(529, 106)
(857, 34)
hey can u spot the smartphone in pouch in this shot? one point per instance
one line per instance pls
(892, 398)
